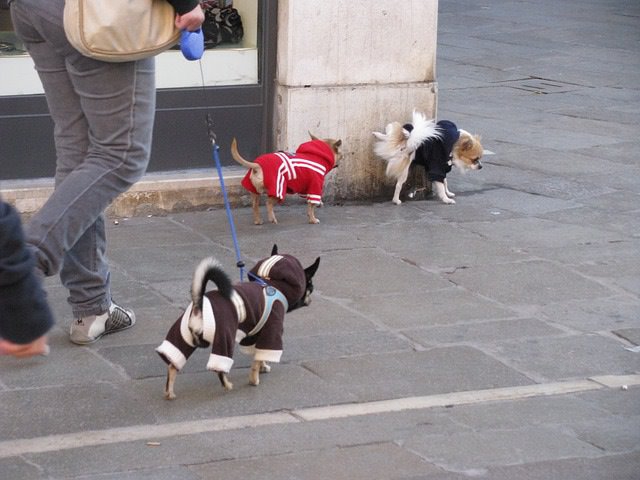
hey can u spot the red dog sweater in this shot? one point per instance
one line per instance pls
(301, 172)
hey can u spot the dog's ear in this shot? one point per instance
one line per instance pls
(467, 144)
(311, 270)
(313, 137)
(274, 250)
(338, 143)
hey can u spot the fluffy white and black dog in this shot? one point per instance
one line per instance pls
(434, 146)
(249, 313)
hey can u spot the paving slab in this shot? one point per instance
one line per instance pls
(200, 395)
(63, 366)
(19, 468)
(630, 334)
(614, 467)
(352, 275)
(618, 435)
(598, 314)
(438, 370)
(442, 247)
(127, 458)
(528, 283)
(532, 412)
(569, 356)
(357, 463)
(70, 408)
(470, 452)
(483, 332)
(445, 307)
(338, 345)
(627, 223)
(619, 402)
(170, 473)
(548, 234)
(325, 316)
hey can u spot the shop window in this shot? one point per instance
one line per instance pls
(231, 55)
(230, 59)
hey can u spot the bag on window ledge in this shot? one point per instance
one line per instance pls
(120, 30)
(221, 25)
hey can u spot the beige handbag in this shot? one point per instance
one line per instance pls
(120, 30)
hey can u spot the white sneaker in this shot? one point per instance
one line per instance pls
(87, 330)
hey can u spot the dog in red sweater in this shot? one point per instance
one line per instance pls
(279, 173)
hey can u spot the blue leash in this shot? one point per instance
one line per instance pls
(192, 47)
(216, 157)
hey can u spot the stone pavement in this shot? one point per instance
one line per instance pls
(489, 339)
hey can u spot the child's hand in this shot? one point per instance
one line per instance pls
(37, 347)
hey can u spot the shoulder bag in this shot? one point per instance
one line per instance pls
(120, 30)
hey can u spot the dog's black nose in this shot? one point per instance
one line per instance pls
(479, 166)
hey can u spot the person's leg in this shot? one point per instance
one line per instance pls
(103, 115)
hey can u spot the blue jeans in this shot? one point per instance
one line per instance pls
(103, 117)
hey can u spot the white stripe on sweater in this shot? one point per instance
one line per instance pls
(316, 167)
(185, 333)
(173, 354)
(267, 265)
(218, 363)
(286, 161)
(208, 323)
(238, 303)
(280, 181)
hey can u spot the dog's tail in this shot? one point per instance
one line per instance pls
(420, 130)
(209, 269)
(392, 148)
(238, 158)
(398, 144)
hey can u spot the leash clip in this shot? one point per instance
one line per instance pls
(259, 280)
(210, 131)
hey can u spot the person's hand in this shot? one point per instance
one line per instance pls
(190, 21)
(37, 347)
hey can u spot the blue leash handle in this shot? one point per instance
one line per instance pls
(216, 157)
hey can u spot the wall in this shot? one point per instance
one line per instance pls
(345, 69)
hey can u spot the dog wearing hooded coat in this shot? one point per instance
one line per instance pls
(249, 313)
(434, 146)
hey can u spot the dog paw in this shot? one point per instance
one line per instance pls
(169, 396)
(258, 222)
(314, 221)
(265, 368)
(448, 201)
(397, 202)
(451, 194)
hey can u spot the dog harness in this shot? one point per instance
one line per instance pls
(301, 172)
(271, 295)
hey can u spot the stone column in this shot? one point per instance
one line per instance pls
(346, 68)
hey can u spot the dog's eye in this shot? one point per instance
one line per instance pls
(476, 160)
